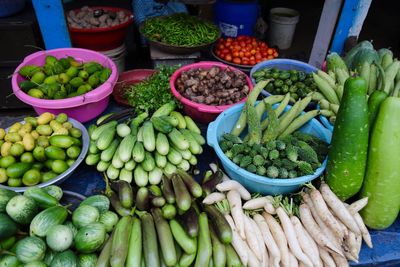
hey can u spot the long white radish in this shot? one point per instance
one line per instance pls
(292, 260)
(311, 250)
(340, 261)
(234, 185)
(256, 203)
(214, 168)
(279, 237)
(337, 206)
(252, 238)
(351, 243)
(333, 239)
(253, 261)
(237, 242)
(314, 245)
(326, 258)
(214, 197)
(270, 208)
(358, 205)
(235, 203)
(324, 213)
(315, 231)
(364, 231)
(359, 243)
(269, 241)
(260, 240)
(291, 237)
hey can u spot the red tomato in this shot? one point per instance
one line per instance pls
(245, 62)
(247, 54)
(258, 61)
(252, 58)
(241, 54)
(225, 51)
(258, 56)
(228, 58)
(270, 51)
(221, 46)
(264, 53)
(253, 52)
(270, 57)
(235, 54)
(264, 58)
(252, 62)
(229, 39)
(237, 60)
(275, 54)
(242, 44)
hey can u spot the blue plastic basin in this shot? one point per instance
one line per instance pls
(253, 182)
(282, 64)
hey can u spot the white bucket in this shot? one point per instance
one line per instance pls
(118, 56)
(282, 26)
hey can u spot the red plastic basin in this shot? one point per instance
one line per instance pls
(101, 39)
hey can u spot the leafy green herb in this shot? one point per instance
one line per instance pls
(149, 95)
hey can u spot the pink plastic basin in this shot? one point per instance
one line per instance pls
(82, 108)
(201, 112)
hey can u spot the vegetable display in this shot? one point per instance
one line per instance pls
(51, 237)
(180, 29)
(379, 69)
(215, 86)
(62, 78)
(298, 83)
(95, 18)
(151, 94)
(144, 148)
(244, 50)
(272, 147)
(321, 230)
(38, 149)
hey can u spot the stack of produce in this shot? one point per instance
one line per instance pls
(272, 148)
(35, 230)
(378, 68)
(38, 149)
(150, 94)
(180, 29)
(364, 148)
(266, 231)
(244, 50)
(95, 18)
(298, 83)
(167, 226)
(147, 148)
(216, 86)
(62, 78)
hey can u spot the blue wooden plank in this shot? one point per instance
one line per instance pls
(349, 12)
(53, 26)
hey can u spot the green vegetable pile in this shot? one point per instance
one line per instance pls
(298, 83)
(293, 156)
(55, 238)
(272, 146)
(151, 94)
(62, 78)
(180, 29)
(38, 149)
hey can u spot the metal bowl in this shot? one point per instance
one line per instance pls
(60, 178)
(177, 49)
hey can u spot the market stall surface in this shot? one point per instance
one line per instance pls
(87, 181)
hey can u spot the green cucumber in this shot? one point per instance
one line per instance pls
(161, 160)
(191, 125)
(162, 145)
(140, 176)
(161, 125)
(41, 197)
(347, 156)
(165, 109)
(148, 164)
(149, 140)
(181, 120)
(126, 147)
(99, 130)
(194, 146)
(47, 218)
(174, 156)
(382, 183)
(106, 138)
(106, 155)
(22, 209)
(178, 139)
(138, 152)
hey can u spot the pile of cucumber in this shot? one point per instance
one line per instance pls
(36, 230)
(62, 78)
(38, 149)
(143, 148)
(167, 225)
(379, 69)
